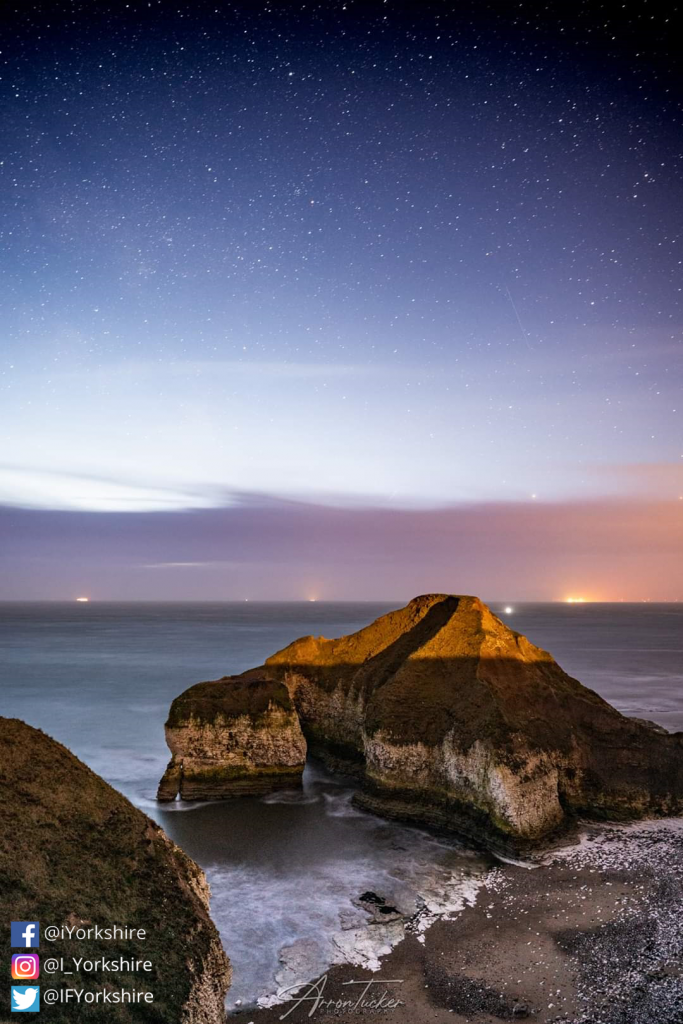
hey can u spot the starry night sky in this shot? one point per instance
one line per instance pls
(341, 299)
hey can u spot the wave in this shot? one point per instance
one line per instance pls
(338, 805)
(285, 922)
(291, 796)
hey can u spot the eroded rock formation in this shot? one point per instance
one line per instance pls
(75, 852)
(450, 718)
(234, 737)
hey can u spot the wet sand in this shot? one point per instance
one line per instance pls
(592, 936)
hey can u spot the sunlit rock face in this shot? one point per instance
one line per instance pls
(450, 718)
(74, 852)
(232, 737)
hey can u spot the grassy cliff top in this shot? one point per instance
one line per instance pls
(229, 697)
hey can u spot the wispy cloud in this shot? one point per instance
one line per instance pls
(642, 479)
(188, 565)
(184, 368)
(37, 487)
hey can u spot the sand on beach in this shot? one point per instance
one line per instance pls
(593, 935)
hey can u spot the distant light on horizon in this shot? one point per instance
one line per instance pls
(82, 600)
(508, 610)
(575, 600)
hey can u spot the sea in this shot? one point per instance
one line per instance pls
(290, 873)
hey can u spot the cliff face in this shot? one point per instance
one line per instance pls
(75, 852)
(450, 718)
(234, 737)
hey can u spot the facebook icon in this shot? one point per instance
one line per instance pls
(25, 934)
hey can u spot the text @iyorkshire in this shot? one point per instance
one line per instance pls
(53, 932)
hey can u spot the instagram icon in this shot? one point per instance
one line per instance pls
(25, 966)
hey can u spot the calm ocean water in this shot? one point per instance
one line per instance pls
(285, 871)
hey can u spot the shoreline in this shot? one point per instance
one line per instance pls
(593, 934)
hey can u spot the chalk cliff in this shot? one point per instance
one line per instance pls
(74, 852)
(450, 718)
(234, 737)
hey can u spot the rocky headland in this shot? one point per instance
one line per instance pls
(74, 852)
(233, 737)
(446, 716)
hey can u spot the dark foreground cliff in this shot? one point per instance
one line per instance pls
(75, 852)
(450, 719)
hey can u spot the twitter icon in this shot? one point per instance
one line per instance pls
(25, 999)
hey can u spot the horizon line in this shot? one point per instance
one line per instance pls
(307, 600)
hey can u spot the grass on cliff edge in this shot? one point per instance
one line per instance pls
(74, 850)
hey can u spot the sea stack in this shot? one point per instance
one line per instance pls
(76, 854)
(449, 718)
(238, 736)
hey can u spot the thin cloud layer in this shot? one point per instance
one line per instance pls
(279, 550)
